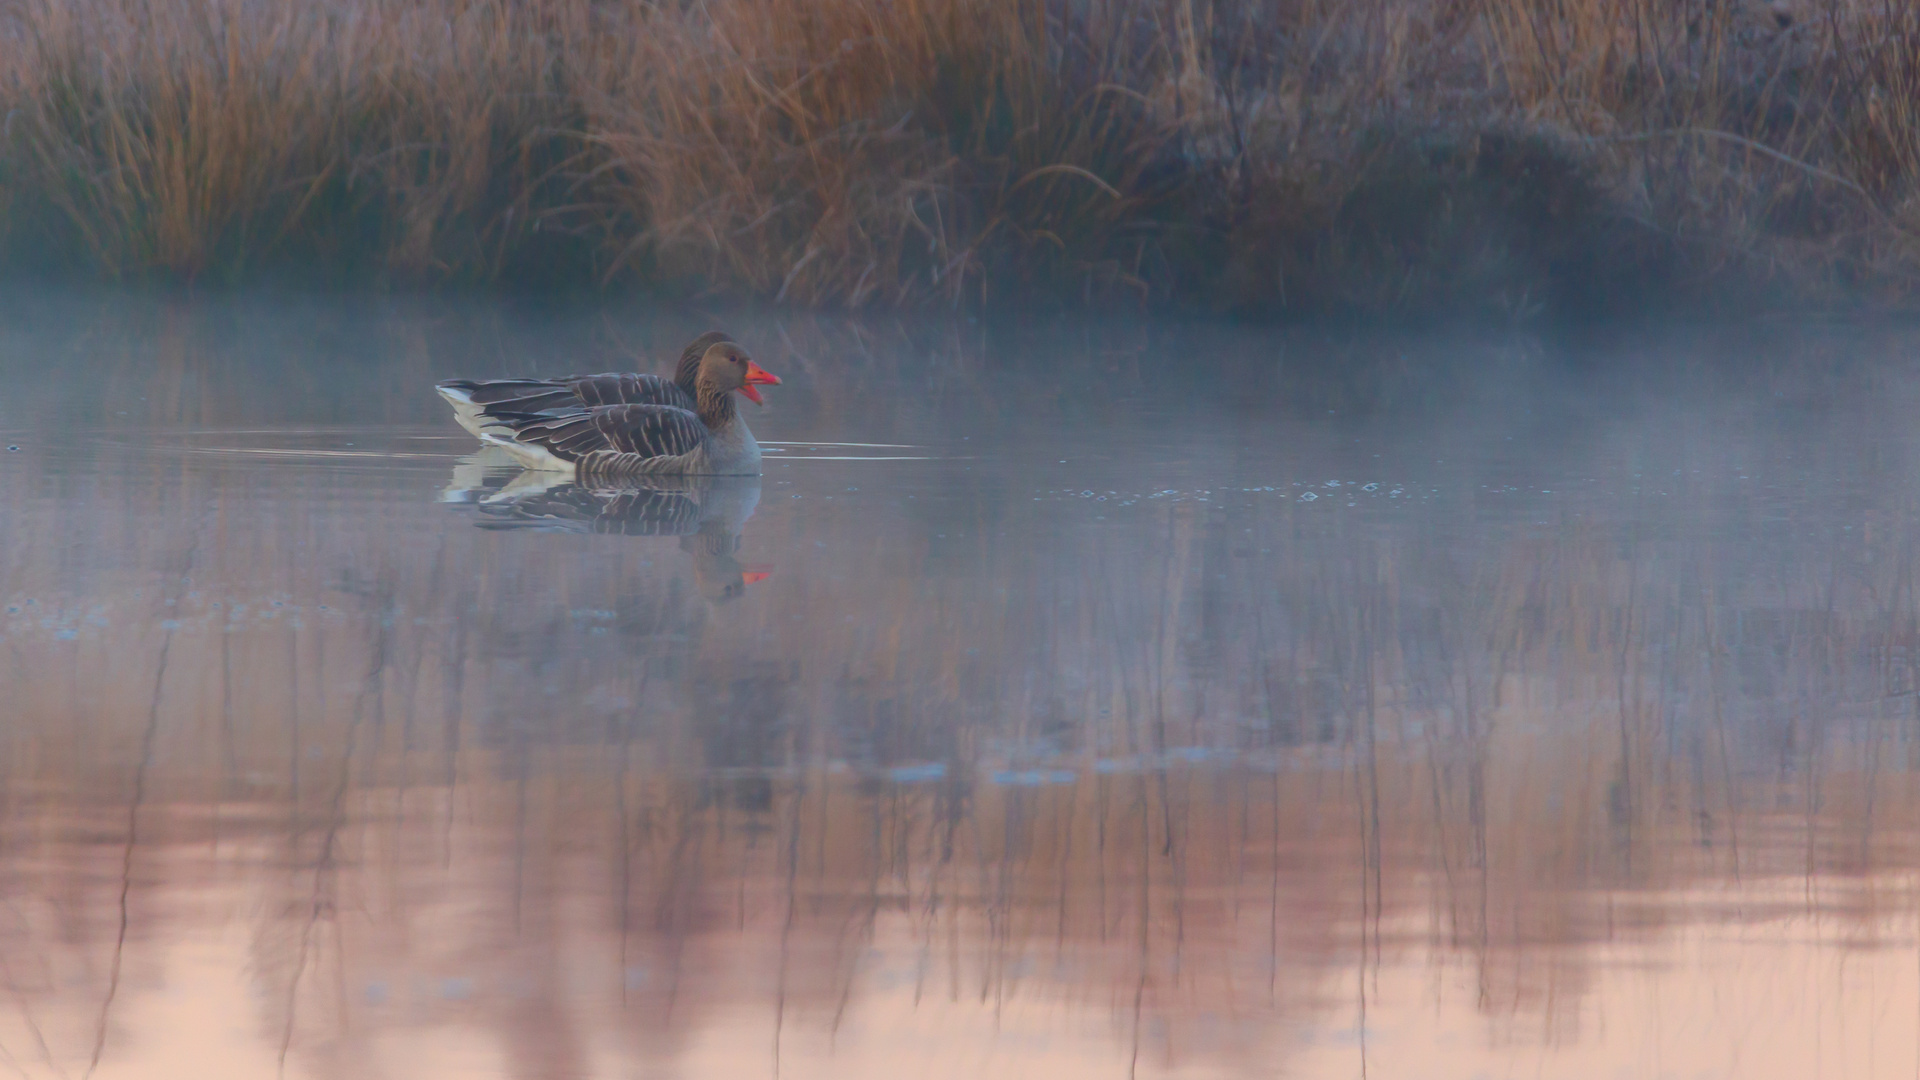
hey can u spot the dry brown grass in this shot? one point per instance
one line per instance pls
(843, 152)
(190, 137)
(1477, 155)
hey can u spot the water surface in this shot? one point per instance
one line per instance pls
(1083, 700)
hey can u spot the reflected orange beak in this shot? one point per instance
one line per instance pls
(757, 374)
(755, 573)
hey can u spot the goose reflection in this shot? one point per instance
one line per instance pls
(707, 513)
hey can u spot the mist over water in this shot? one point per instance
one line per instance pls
(1084, 700)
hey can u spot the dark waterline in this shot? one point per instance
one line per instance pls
(1097, 700)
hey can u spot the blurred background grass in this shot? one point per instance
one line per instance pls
(1470, 158)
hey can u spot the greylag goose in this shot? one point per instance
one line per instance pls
(474, 399)
(610, 442)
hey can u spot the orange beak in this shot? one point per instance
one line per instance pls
(757, 374)
(752, 574)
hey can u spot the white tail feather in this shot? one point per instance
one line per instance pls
(465, 412)
(532, 457)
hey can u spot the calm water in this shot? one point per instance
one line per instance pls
(1087, 701)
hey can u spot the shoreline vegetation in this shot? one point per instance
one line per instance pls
(1422, 159)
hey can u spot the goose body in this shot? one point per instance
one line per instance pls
(608, 443)
(473, 400)
(614, 442)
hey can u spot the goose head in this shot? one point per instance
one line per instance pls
(726, 367)
(688, 370)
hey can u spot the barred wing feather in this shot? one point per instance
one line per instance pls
(650, 430)
(495, 397)
(628, 389)
(644, 431)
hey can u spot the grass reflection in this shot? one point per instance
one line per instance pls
(1179, 785)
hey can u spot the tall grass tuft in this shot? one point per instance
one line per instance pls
(158, 135)
(1445, 156)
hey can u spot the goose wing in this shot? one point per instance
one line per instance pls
(645, 431)
(491, 396)
(627, 389)
(509, 395)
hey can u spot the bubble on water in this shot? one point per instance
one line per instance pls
(1308, 497)
(1371, 487)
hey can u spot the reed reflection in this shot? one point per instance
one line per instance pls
(299, 767)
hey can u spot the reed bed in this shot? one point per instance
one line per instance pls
(1417, 156)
